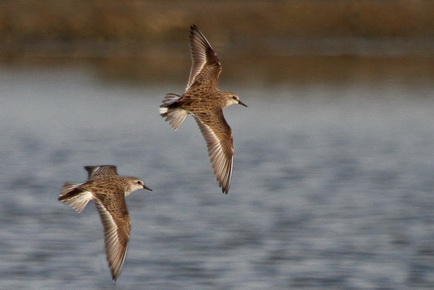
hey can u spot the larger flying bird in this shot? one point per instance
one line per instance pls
(108, 190)
(205, 102)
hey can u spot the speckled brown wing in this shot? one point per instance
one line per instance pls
(218, 137)
(102, 170)
(117, 226)
(206, 66)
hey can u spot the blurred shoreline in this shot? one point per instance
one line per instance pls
(272, 40)
(227, 21)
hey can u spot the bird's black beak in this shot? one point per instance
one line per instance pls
(147, 188)
(242, 104)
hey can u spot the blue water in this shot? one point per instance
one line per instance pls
(332, 186)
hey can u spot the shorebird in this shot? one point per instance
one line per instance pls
(205, 102)
(108, 190)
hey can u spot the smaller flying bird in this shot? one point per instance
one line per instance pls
(108, 190)
(205, 102)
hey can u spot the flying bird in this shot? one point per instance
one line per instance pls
(107, 190)
(205, 102)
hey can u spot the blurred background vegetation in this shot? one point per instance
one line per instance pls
(264, 41)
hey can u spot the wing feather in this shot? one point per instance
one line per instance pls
(117, 226)
(218, 137)
(102, 170)
(206, 66)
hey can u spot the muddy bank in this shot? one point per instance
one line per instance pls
(147, 21)
(142, 39)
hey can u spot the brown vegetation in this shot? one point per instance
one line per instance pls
(137, 37)
(69, 20)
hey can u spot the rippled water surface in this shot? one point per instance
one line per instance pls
(332, 186)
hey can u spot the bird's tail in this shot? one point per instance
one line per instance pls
(168, 110)
(74, 196)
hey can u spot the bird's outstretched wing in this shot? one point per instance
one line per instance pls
(116, 221)
(218, 137)
(101, 170)
(206, 66)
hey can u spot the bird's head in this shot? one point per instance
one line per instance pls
(135, 184)
(232, 99)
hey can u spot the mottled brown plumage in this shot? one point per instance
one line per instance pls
(205, 102)
(108, 191)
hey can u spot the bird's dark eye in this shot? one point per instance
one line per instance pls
(234, 97)
(139, 182)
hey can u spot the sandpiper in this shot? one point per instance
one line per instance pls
(108, 190)
(205, 102)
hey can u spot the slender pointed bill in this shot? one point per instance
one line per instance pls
(242, 104)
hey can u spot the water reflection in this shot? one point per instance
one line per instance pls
(332, 185)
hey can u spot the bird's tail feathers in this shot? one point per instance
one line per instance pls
(175, 116)
(75, 197)
(170, 99)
